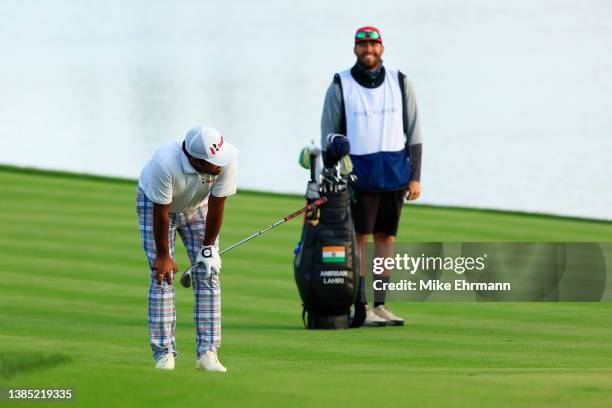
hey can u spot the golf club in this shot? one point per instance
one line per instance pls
(186, 277)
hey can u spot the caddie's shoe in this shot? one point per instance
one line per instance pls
(384, 312)
(210, 362)
(166, 362)
(372, 319)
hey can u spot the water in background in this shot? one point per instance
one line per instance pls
(514, 97)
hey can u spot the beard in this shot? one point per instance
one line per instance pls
(370, 61)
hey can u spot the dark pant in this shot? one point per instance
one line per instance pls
(378, 212)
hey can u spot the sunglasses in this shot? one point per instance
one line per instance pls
(373, 35)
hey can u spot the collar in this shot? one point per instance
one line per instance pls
(187, 167)
(368, 79)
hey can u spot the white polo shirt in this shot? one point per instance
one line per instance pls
(169, 178)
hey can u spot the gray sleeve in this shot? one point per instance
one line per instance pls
(332, 116)
(413, 133)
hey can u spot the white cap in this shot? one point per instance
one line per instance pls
(207, 143)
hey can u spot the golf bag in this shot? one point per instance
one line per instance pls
(326, 264)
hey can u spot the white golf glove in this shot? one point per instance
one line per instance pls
(209, 257)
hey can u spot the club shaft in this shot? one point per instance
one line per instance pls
(250, 237)
(277, 223)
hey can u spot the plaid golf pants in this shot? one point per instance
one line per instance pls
(191, 226)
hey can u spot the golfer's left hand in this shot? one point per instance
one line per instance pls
(414, 190)
(209, 257)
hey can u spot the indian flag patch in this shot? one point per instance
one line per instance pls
(334, 254)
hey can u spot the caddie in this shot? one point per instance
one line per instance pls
(183, 188)
(375, 107)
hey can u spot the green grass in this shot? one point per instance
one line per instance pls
(12, 364)
(73, 314)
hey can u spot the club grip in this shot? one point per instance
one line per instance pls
(307, 208)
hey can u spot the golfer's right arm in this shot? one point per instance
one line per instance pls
(164, 265)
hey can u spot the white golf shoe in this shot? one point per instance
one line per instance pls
(166, 362)
(385, 313)
(372, 319)
(210, 362)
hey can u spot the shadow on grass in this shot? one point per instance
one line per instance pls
(12, 364)
(264, 326)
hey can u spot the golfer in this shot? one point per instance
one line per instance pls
(183, 188)
(376, 108)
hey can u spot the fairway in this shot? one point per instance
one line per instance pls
(74, 300)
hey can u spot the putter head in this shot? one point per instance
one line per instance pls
(186, 278)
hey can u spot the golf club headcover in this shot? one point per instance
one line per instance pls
(209, 257)
(346, 165)
(304, 159)
(312, 191)
(338, 146)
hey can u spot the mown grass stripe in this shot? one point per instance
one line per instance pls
(75, 281)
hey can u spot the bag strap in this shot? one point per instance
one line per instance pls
(304, 316)
(338, 82)
(401, 78)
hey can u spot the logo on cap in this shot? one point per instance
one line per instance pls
(215, 147)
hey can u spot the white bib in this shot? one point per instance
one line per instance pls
(373, 115)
